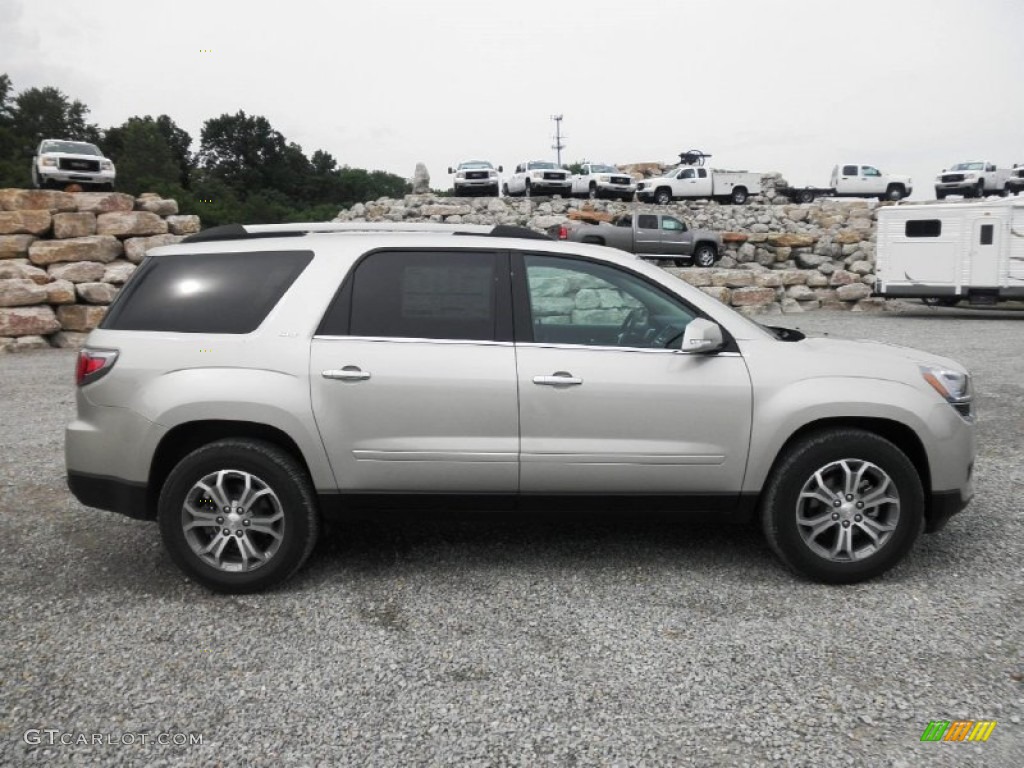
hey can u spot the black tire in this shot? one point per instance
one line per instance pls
(627, 198)
(805, 196)
(1005, 191)
(940, 301)
(894, 193)
(290, 496)
(493, 191)
(704, 255)
(819, 455)
(940, 195)
(979, 191)
(663, 196)
(504, 189)
(592, 191)
(527, 192)
(739, 195)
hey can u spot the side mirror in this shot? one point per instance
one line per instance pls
(501, 169)
(450, 170)
(702, 336)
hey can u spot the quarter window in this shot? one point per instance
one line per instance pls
(205, 292)
(923, 228)
(419, 295)
(580, 302)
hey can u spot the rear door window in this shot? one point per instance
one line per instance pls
(205, 292)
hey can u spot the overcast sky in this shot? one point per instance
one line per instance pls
(764, 85)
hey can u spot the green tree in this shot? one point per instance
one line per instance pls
(144, 159)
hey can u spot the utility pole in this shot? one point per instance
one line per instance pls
(558, 146)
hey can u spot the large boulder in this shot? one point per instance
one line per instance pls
(96, 293)
(749, 297)
(15, 246)
(60, 292)
(130, 224)
(420, 180)
(103, 248)
(28, 321)
(79, 317)
(24, 222)
(36, 200)
(183, 225)
(157, 205)
(66, 225)
(78, 271)
(853, 292)
(21, 292)
(118, 272)
(135, 248)
(103, 202)
(10, 270)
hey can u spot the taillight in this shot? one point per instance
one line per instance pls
(93, 364)
(563, 233)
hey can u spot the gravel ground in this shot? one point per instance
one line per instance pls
(511, 641)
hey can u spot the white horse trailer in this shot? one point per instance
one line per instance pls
(943, 253)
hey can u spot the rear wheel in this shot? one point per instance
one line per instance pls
(842, 506)
(739, 195)
(805, 196)
(704, 255)
(238, 515)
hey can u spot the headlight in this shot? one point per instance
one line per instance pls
(106, 165)
(604, 179)
(537, 174)
(460, 175)
(493, 174)
(970, 176)
(954, 386)
(50, 161)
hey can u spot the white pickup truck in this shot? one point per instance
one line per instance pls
(694, 181)
(976, 178)
(596, 180)
(854, 180)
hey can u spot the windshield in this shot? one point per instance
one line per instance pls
(71, 148)
(475, 164)
(604, 169)
(968, 167)
(542, 166)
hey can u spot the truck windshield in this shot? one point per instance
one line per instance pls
(71, 148)
(968, 167)
(603, 169)
(541, 166)
(475, 165)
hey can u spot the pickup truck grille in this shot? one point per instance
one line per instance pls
(73, 164)
(476, 174)
(952, 177)
(554, 176)
(621, 180)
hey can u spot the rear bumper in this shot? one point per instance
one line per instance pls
(112, 494)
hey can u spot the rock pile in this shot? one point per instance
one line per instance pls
(778, 256)
(64, 256)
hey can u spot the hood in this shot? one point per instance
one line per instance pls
(872, 359)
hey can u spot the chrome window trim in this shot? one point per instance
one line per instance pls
(530, 344)
(410, 340)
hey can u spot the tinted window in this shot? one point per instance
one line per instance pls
(580, 302)
(849, 170)
(205, 292)
(924, 228)
(425, 295)
(647, 222)
(986, 234)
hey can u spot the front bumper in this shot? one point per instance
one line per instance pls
(49, 174)
(476, 183)
(957, 187)
(615, 190)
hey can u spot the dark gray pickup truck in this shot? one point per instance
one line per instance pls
(650, 235)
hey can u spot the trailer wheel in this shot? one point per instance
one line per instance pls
(739, 195)
(805, 196)
(894, 193)
(663, 196)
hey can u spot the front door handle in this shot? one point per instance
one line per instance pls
(558, 379)
(348, 373)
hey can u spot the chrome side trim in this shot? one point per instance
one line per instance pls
(453, 456)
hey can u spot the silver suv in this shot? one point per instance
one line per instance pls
(250, 380)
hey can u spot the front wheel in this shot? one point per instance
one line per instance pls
(238, 515)
(894, 194)
(663, 197)
(980, 191)
(592, 192)
(940, 195)
(527, 192)
(704, 255)
(842, 506)
(504, 190)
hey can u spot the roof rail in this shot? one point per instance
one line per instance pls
(250, 231)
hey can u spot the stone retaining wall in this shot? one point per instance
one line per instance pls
(778, 257)
(64, 257)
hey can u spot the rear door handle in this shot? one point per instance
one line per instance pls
(348, 373)
(558, 379)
